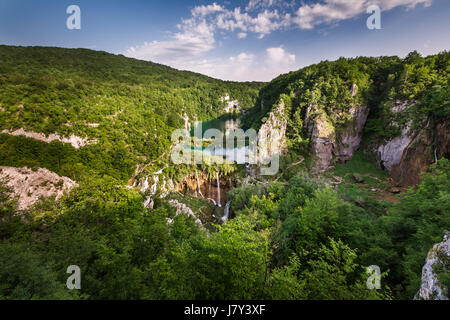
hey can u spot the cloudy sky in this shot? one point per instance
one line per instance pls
(232, 40)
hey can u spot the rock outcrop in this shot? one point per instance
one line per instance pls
(438, 257)
(391, 153)
(29, 186)
(330, 145)
(231, 106)
(348, 137)
(322, 136)
(407, 156)
(181, 208)
(75, 141)
(198, 185)
(272, 134)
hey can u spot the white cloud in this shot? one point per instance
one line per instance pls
(206, 10)
(194, 39)
(243, 67)
(279, 57)
(265, 4)
(196, 36)
(265, 22)
(242, 35)
(237, 68)
(331, 11)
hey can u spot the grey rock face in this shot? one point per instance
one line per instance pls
(272, 134)
(391, 153)
(431, 289)
(327, 143)
(349, 138)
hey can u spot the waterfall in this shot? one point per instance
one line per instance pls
(154, 187)
(148, 203)
(198, 185)
(226, 212)
(218, 190)
(435, 155)
(145, 185)
(213, 201)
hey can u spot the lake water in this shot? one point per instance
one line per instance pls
(221, 124)
(235, 153)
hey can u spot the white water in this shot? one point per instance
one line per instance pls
(239, 155)
(154, 187)
(218, 190)
(213, 201)
(198, 184)
(145, 185)
(226, 212)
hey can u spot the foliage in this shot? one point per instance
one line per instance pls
(129, 108)
(292, 237)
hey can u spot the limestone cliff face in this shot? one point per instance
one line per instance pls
(322, 136)
(272, 134)
(391, 152)
(438, 257)
(329, 144)
(75, 141)
(198, 185)
(231, 106)
(405, 157)
(348, 137)
(428, 144)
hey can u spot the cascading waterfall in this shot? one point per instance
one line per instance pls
(145, 185)
(154, 187)
(226, 212)
(198, 184)
(213, 201)
(218, 190)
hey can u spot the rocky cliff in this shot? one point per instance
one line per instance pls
(349, 136)
(272, 134)
(429, 144)
(198, 184)
(438, 260)
(406, 156)
(331, 143)
(322, 136)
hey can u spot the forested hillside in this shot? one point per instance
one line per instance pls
(380, 83)
(128, 107)
(334, 208)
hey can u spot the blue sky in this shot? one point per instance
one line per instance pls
(232, 40)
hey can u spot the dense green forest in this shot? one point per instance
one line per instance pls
(381, 82)
(129, 107)
(297, 241)
(291, 236)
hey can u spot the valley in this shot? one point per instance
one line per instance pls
(361, 148)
